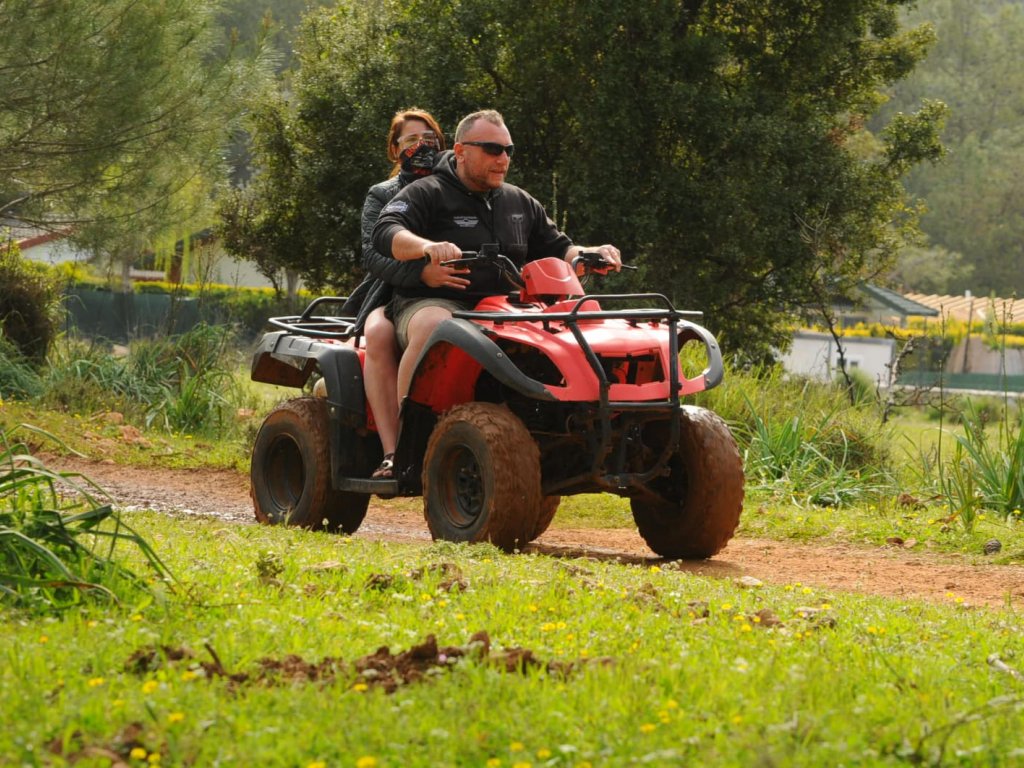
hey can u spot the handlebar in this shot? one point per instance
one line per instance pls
(591, 261)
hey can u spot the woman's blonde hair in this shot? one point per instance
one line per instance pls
(397, 126)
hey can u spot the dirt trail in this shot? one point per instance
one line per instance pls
(881, 571)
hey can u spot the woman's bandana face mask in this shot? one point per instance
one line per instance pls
(419, 159)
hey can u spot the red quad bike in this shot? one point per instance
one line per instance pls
(535, 395)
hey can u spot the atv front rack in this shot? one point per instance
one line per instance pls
(679, 327)
(678, 323)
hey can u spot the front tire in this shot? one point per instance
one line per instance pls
(291, 471)
(693, 512)
(481, 477)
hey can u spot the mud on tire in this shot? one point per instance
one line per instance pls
(694, 511)
(481, 477)
(291, 471)
(548, 507)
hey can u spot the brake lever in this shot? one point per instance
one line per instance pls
(462, 261)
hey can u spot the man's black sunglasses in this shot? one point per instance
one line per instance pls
(493, 147)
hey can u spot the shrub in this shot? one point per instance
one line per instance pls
(987, 470)
(30, 296)
(181, 383)
(802, 437)
(18, 379)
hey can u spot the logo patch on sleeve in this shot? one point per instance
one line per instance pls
(466, 222)
(396, 205)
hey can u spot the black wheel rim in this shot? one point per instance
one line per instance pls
(285, 474)
(462, 487)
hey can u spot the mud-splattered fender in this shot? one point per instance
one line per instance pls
(451, 361)
(289, 360)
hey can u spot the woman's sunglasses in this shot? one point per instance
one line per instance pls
(492, 147)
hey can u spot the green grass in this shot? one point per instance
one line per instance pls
(767, 514)
(669, 668)
(105, 435)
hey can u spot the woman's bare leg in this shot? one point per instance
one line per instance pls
(380, 376)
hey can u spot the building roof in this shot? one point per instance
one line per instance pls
(977, 308)
(40, 239)
(902, 305)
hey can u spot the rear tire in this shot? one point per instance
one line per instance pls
(548, 507)
(291, 471)
(481, 477)
(694, 511)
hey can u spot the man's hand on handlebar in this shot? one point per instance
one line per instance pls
(600, 260)
(443, 251)
(610, 254)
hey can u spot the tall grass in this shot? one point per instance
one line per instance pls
(802, 439)
(182, 383)
(18, 378)
(987, 470)
(58, 539)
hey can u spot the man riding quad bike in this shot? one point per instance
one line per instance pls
(534, 395)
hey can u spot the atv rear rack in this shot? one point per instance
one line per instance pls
(318, 326)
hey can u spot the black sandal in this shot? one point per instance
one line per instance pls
(386, 470)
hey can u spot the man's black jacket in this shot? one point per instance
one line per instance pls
(440, 208)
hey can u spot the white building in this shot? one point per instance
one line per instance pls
(816, 354)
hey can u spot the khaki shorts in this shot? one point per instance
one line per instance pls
(402, 310)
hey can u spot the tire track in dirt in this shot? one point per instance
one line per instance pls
(224, 494)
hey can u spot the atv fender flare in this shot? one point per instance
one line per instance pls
(288, 360)
(715, 372)
(469, 338)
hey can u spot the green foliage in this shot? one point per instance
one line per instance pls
(128, 89)
(56, 551)
(113, 117)
(802, 439)
(807, 456)
(251, 21)
(973, 197)
(17, 376)
(30, 297)
(861, 388)
(96, 311)
(931, 270)
(182, 383)
(718, 144)
(986, 471)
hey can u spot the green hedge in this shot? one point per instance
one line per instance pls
(153, 310)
